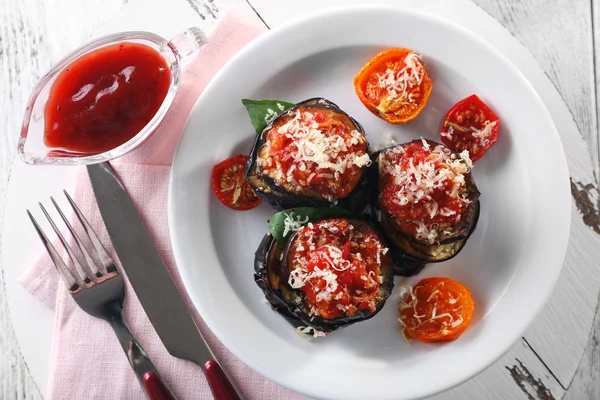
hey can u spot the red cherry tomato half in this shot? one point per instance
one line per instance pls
(229, 184)
(470, 125)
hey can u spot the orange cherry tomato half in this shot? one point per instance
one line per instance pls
(230, 185)
(470, 125)
(436, 310)
(394, 85)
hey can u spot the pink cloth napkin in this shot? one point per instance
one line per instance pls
(87, 361)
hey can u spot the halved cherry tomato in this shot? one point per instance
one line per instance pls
(230, 185)
(394, 85)
(436, 310)
(470, 125)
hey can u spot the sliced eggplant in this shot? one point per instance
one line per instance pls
(272, 274)
(410, 254)
(279, 194)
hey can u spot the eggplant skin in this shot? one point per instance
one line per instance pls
(289, 302)
(279, 197)
(409, 254)
(411, 257)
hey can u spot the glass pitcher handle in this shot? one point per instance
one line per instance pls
(188, 43)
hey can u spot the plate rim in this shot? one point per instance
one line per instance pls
(560, 166)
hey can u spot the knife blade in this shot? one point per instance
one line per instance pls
(151, 281)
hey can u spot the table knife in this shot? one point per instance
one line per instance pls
(152, 282)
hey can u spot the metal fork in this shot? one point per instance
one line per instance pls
(101, 294)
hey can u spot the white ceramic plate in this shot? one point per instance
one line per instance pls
(510, 263)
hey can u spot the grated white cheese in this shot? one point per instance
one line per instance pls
(446, 212)
(307, 330)
(448, 133)
(362, 161)
(419, 320)
(270, 115)
(467, 159)
(402, 323)
(314, 146)
(417, 182)
(300, 276)
(399, 85)
(432, 294)
(484, 133)
(457, 322)
(403, 292)
(425, 232)
(291, 225)
(327, 153)
(444, 315)
(334, 258)
(320, 265)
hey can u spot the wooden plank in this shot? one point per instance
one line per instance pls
(595, 8)
(519, 374)
(15, 381)
(563, 46)
(560, 334)
(585, 384)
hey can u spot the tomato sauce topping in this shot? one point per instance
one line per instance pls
(105, 97)
(315, 152)
(338, 267)
(423, 185)
(436, 309)
(394, 85)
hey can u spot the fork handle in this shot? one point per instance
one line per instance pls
(153, 385)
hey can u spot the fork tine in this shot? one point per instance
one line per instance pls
(76, 263)
(88, 259)
(62, 269)
(103, 255)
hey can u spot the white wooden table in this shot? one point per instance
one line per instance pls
(558, 356)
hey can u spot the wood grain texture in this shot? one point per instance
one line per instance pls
(565, 50)
(585, 385)
(34, 34)
(575, 298)
(519, 374)
(595, 9)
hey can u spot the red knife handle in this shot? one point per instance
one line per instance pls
(219, 383)
(155, 388)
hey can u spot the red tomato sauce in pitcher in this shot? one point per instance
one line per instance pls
(104, 98)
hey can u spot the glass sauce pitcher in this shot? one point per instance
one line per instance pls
(31, 146)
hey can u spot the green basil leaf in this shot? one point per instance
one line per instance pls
(303, 215)
(261, 112)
